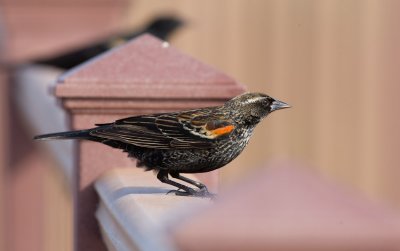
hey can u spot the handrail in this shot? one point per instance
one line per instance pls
(135, 212)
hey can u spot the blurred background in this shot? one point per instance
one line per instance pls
(335, 62)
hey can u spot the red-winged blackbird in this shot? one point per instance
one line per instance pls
(192, 141)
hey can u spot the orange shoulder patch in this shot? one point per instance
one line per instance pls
(223, 130)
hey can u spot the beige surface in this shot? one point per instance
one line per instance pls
(334, 61)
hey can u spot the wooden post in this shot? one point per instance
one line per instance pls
(144, 76)
(30, 30)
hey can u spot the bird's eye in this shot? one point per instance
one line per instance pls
(265, 102)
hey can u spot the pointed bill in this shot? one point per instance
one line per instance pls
(277, 105)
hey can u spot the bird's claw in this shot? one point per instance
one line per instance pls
(174, 191)
(202, 193)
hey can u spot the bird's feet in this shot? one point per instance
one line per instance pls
(202, 193)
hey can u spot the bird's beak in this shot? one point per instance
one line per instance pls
(277, 105)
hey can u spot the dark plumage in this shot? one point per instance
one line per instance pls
(192, 141)
(161, 27)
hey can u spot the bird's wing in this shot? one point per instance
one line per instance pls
(191, 129)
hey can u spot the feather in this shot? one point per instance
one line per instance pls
(190, 129)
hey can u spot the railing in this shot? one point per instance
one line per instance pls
(281, 207)
(135, 212)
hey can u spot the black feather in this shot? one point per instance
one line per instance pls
(81, 134)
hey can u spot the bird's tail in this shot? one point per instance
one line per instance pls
(81, 134)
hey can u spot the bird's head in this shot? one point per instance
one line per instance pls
(253, 107)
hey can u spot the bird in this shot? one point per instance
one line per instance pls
(161, 27)
(190, 141)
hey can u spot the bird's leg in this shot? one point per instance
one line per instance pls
(178, 176)
(163, 177)
(203, 192)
